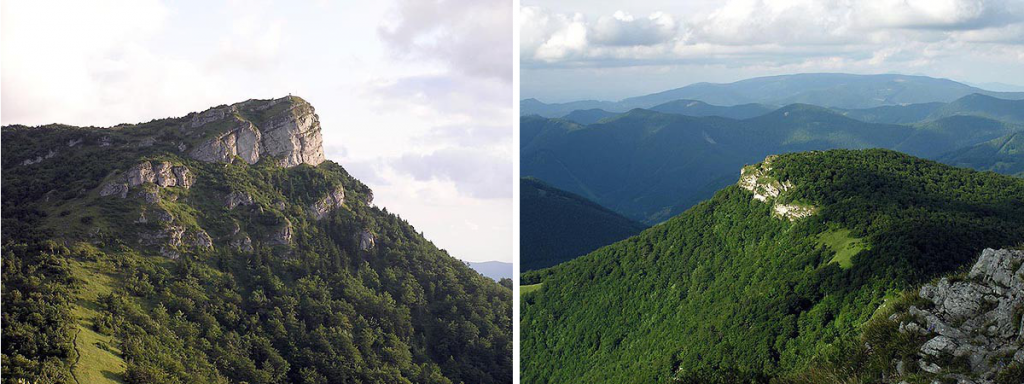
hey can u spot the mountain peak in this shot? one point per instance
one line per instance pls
(286, 128)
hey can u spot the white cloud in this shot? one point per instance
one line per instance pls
(622, 29)
(471, 36)
(758, 37)
(550, 37)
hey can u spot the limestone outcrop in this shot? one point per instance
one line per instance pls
(287, 129)
(765, 188)
(366, 240)
(237, 198)
(976, 320)
(283, 234)
(335, 199)
(163, 174)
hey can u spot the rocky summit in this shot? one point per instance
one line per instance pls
(221, 247)
(287, 129)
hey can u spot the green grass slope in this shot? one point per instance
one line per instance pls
(556, 226)
(730, 292)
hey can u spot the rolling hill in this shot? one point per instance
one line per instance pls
(588, 116)
(699, 108)
(832, 90)
(767, 276)
(650, 166)
(556, 226)
(1003, 155)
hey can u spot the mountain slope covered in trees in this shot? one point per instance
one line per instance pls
(556, 226)
(768, 274)
(222, 247)
(650, 166)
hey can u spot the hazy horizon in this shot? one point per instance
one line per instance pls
(609, 50)
(994, 86)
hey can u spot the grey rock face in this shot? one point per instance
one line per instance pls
(163, 174)
(366, 240)
(334, 199)
(291, 134)
(243, 243)
(202, 240)
(236, 198)
(115, 189)
(973, 318)
(283, 234)
(243, 141)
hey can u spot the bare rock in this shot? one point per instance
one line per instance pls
(335, 199)
(366, 240)
(202, 240)
(242, 243)
(974, 318)
(237, 198)
(115, 189)
(243, 140)
(291, 135)
(283, 234)
(140, 174)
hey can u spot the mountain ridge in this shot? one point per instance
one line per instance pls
(838, 90)
(221, 247)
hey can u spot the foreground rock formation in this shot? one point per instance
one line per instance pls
(974, 327)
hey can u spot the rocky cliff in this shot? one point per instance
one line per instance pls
(971, 324)
(221, 247)
(286, 129)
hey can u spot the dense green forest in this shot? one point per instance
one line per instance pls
(729, 291)
(1004, 155)
(556, 226)
(90, 293)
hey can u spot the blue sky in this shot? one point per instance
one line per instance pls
(414, 97)
(608, 50)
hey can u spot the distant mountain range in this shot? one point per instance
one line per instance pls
(833, 90)
(496, 270)
(556, 225)
(650, 166)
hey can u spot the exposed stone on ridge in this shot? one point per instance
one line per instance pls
(334, 199)
(291, 133)
(758, 180)
(237, 198)
(283, 234)
(163, 174)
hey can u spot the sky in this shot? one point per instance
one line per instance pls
(414, 97)
(609, 50)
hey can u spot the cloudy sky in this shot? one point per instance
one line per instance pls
(414, 96)
(608, 50)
